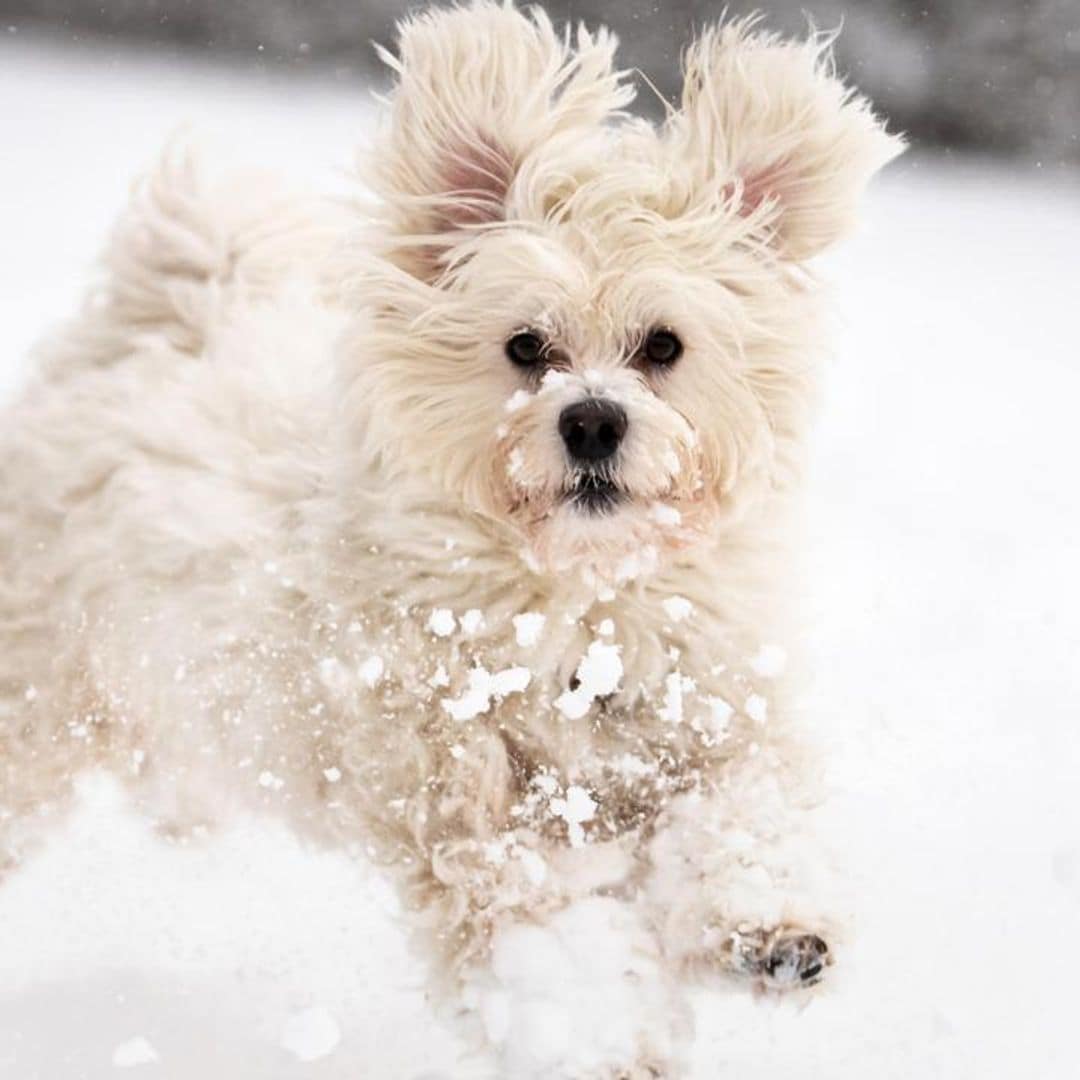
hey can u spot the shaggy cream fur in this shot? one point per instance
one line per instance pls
(282, 525)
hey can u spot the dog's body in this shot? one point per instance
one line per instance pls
(323, 527)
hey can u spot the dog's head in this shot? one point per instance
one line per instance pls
(594, 330)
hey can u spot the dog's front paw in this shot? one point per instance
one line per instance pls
(785, 958)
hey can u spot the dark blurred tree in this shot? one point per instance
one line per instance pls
(997, 75)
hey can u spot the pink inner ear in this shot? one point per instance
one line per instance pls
(758, 185)
(477, 175)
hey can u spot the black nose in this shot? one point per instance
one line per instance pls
(592, 429)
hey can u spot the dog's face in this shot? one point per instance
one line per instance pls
(600, 401)
(591, 330)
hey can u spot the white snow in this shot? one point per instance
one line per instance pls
(598, 674)
(769, 661)
(442, 622)
(720, 713)
(664, 513)
(528, 626)
(637, 564)
(566, 997)
(678, 608)
(601, 670)
(944, 624)
(371, 671)
(135, 1051)
(518, 400)
(333, 676)
(671, 712)
(482, 687)
(546, 783)
(757, 708)
(310, 1034)
(534, 865)
(512, 680)
(515, 463)
(554, 380)
(474, 699)
(575, 809)
(268, 780)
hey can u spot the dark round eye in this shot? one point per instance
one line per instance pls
(525, 349)
(662, 348)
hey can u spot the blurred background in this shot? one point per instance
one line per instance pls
(995, 76)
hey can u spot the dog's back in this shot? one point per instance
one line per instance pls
(173, 424)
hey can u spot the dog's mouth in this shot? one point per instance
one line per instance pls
(594, 494)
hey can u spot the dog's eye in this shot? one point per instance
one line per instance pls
(525, 349)
(662, 347)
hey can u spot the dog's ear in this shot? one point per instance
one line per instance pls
(767, 126)
(481, 90)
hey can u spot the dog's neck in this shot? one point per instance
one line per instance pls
(416, 552)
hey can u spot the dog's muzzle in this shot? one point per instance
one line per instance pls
(591, 431)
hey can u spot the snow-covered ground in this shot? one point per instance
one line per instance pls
(946, 566)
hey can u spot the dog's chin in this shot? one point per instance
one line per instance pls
(603, 534)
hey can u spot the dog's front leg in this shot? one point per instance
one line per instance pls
(561, 972)
(738, 882)
(559, 967)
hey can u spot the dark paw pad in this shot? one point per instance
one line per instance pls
(781, 959)
(792, 959)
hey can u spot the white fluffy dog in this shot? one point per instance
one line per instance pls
(456, 536)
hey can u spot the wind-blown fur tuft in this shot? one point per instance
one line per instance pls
(483, 92)
(283, 522)
(767, 125)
